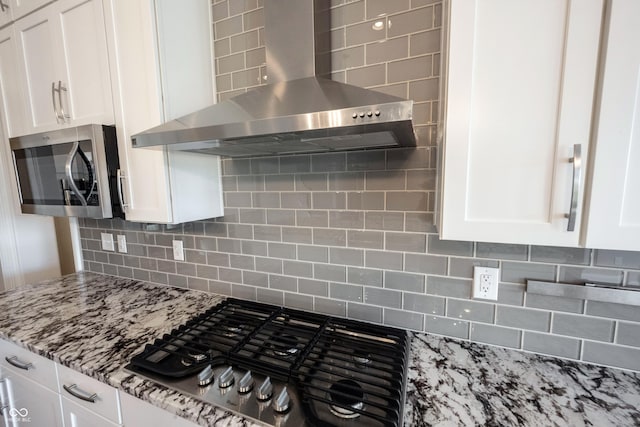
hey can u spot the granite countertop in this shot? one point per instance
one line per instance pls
(94, 323)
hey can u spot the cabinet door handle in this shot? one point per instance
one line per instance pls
(53, 100)
(13, 360)
(119, 177)
(61, 89)
(576, 160)
(82, 395)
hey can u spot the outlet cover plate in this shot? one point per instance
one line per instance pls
(485, 283)
(107, 242)
(178, 250)
(122, 243)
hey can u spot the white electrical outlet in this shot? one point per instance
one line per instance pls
(485, 283)
(122, 243)
(178, 250)
(107, 242)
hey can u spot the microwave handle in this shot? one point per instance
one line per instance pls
(67, 169)
(119, 177)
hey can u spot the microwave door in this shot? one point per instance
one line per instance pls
(41, 176)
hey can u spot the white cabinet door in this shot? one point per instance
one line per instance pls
(5, 12)
(12, 108)
(160, 57)
(77, 416)
(614, 212)
(22, 7)
(136, 412)
(64, 62)
(83, 47)
(30, 403)
(519, 95)
(35, 36)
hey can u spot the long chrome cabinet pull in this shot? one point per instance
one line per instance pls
(82, 395)
(64, 116)
(575, 187)
(53, 100)
(13, 360)
(119, 177)
(68, 172)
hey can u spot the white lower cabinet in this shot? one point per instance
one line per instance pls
(78, 416)
(29, 389)
(92, 395)
(136, 412)
(28, 403)
(35, 391)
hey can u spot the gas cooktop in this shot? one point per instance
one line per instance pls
(284, 367)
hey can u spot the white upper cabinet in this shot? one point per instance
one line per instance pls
(19, 8)
(5, 13)
(12, 108)
(161, 63)
(517, 105)
(63, 59)
(614, 208)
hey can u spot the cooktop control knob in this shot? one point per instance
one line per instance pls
(246, 383)
(205, 377)
(265, 391)
(281, 403)
(226, 378)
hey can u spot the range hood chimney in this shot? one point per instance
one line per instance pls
(300, 110)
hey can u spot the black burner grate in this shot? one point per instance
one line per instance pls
(355, 371)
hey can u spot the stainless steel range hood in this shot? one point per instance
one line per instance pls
(300, 111)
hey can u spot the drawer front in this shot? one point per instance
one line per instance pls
(77, 416)
(37, 368)
(81, 389)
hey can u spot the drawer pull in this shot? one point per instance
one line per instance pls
(82, 395)
(13, 360)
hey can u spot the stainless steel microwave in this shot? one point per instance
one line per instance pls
(68, 172)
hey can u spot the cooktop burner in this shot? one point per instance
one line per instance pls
(284, 367)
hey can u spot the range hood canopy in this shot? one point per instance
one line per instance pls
(299, 111)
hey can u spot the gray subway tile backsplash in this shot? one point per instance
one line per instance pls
(520, 272)
(628, 334)
(403, 319)
(496, 335)
(522, 318)
(611, 355)
(502, 251)
(364, 312)
(558, 255)
(591, 328)
(447, 326)
(551, 344)
(352, 233)
(617, 259)
(382, 297)
(547, 302)
(613, 311)
(580, 275)
(470, 310)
